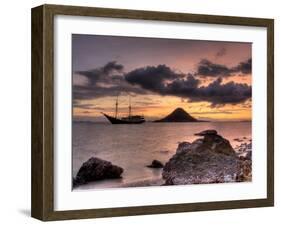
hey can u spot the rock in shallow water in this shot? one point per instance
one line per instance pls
(96, 169)
(208, 160)
(156, 164)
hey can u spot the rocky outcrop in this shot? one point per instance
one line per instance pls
(249, 155)
(210, 159)
(207, 132)
(96, 169)
(216, 143)
(245, 170)
(178, 115)
(244, 151)
(155, 164)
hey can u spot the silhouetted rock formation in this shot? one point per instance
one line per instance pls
(210, 159)
(96, 169)
(178, 115)
(156, 164)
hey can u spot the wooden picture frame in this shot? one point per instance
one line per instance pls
(43, 112)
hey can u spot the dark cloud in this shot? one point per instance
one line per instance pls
(111, 66)
(244, 67)
(182, 87)
(152, 78)
(76, 104)
(110, 80)
(218, 93)
(103, 74)
(189, 87)
(103, 81)
(208, 69)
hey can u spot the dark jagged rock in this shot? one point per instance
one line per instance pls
(156, 164)
(245, 170)
(183, 146)
(217, 143)
(238, 140)
(207, 132)
(96, 169)
(207, 160)
(249, 155)
(178, 115)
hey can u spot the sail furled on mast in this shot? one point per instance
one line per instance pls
(116, 107)
(130, 107)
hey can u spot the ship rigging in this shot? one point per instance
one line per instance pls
(130, 119)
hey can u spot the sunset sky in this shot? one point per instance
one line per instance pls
(210, 80)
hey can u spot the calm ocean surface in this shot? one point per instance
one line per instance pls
(134, 146)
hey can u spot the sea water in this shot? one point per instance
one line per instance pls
(133, 147)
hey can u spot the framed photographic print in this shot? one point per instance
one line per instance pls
(141, 112)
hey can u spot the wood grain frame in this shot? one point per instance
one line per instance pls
(42, 203)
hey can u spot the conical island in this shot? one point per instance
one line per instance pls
(178, 115)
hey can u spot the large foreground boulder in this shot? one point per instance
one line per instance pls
(210, 159)
(96, 169)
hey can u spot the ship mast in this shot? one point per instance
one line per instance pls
(116, 107)
(130, 108)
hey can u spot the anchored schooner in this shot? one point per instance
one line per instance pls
(130, 119)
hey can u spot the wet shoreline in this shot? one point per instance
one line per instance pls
(242, 148)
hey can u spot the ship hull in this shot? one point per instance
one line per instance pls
(120, 121)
